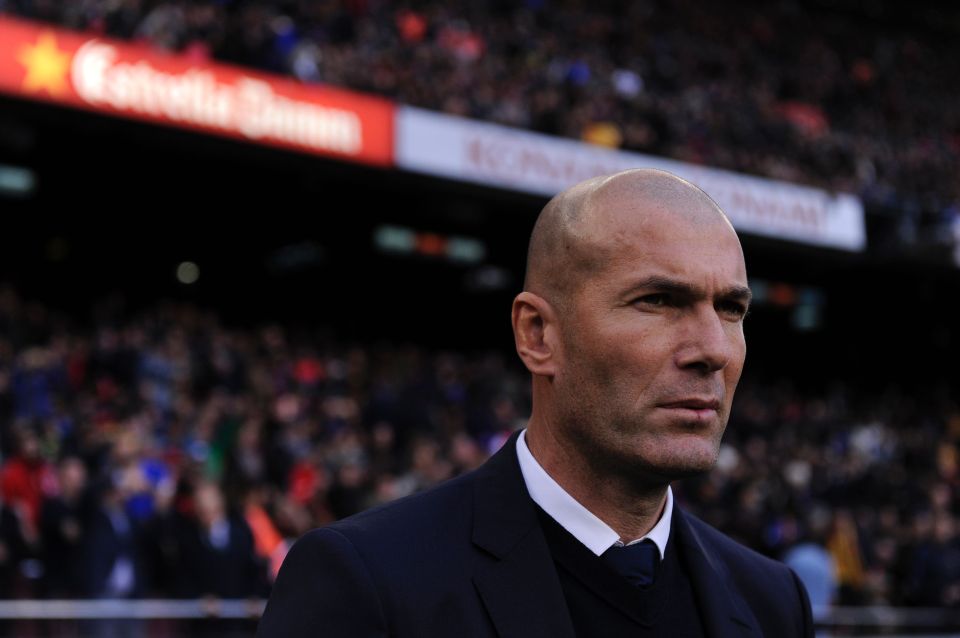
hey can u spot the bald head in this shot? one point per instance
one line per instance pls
(579, 230)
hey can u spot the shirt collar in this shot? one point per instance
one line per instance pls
(574, 517)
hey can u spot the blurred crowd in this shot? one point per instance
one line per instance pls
(164, 454)
(842, 95)
(168, 456)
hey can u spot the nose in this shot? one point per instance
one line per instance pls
(709, 341)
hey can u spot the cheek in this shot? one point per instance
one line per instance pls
(648, 348)
(739, 351)
(633, 369)
(601, 369)
(731, 373)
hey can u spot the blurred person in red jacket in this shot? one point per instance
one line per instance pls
(26, 478)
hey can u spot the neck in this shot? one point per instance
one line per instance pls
(629, 507)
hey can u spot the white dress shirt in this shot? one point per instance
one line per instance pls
(574, 517)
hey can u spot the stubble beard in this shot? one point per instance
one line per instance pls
(612, 445)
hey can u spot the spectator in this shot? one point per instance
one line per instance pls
(217, 549)
(64, 518)
(813, 563)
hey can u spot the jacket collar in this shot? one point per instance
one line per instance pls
(723, 610)
(515, 574)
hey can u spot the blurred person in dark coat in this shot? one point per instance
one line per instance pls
(113, 564)
(934, 576)
(63, 521)
(217, 559)
(217, 550)
(112, 547)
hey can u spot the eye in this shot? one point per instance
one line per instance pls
(658, 299)
(734, 308)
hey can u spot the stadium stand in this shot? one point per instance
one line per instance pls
(832, 94)
(164, 452)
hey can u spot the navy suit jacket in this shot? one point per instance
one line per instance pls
(468, 559)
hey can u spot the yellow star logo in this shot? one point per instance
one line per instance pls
(46, 66)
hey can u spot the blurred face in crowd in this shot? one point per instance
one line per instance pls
(29, 446)
(208, 501)
(648, 344)
(73, 477)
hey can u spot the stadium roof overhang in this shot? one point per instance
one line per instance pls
(136, 82)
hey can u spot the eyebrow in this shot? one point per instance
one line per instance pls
(665, 284)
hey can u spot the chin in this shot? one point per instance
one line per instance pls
(681, 459)
(680, 471)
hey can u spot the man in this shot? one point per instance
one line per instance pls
(631, 323)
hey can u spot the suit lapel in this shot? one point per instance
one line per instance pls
(515, 574)
(723, 611)
(517, 581)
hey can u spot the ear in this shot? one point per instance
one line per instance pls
(535, 332)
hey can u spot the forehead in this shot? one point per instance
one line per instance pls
(689, 239)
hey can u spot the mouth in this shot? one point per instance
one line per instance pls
(694, 409)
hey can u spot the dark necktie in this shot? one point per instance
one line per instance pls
(637, 563)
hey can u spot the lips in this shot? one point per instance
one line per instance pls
(696, 411)
(694, 404)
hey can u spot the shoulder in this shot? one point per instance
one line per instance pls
(323, 582)
(393, 565)
(733, 553)
(426, 513)
(424, 532)
(435, 527)
(770, 588)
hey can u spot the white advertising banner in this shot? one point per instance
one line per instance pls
(494, 155)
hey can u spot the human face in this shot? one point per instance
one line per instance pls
(653, 346)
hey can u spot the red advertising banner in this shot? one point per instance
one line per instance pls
(140, 82)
